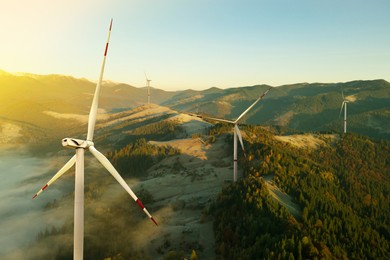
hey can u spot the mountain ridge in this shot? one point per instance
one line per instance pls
(34, 99)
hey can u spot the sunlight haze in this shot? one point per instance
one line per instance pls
(199, 44)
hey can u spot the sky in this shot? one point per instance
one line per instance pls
(183, 44)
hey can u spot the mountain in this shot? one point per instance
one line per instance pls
(152, 122)
(303, 107)
(48, 107)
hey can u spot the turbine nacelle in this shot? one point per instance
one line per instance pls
(76, 143)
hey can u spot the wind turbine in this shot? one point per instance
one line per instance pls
(237, 132)
(344, 104)
(148, 85)
(81, 146)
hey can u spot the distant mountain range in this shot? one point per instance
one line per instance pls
(35, 107)
(301, 107)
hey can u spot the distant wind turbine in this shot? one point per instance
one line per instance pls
(237, 133)
(81, 146)
(148, 85)
(344, 104)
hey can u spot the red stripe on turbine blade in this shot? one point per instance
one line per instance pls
(143, 208)
(34, 196)
(154, 221)
(111, 24)
(140, 204)
(105, 52)
(44, 187)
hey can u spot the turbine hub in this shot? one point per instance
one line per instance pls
(76, 143)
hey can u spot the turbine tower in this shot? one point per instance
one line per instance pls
(148, 85)
(344, 104)
(237, 132)
(87, 145)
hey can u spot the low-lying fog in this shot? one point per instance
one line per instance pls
(22, 218)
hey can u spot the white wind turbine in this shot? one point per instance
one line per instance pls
(148, 85)
(344, 104)
(237, 133)
(81, 146)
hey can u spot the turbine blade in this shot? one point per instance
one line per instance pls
(95, 101)
(341, 109)
(238, 132)
(217, 119)
(254, 103)
(110, 168)
(64, 169)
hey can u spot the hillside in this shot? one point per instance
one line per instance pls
(300, 195)
(299, 107)
(341, 185)
(52, 106)
(155, 170)
(49, 107)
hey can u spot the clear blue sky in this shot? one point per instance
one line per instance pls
(199, 44)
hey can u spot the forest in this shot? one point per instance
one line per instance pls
(342, 187)
(136, 158)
